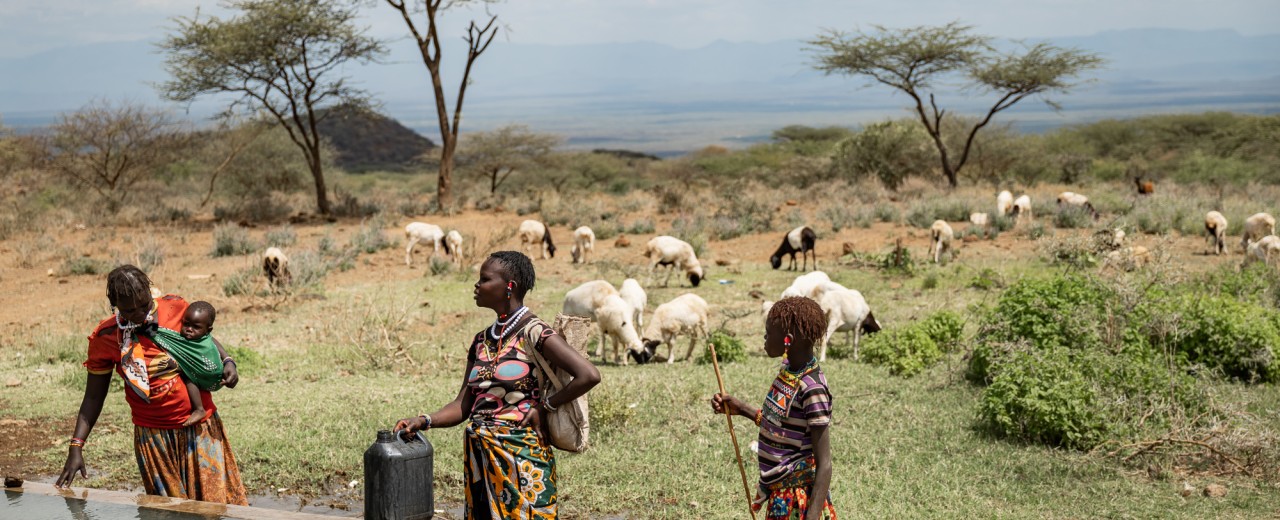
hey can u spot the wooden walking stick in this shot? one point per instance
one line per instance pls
(728, 417)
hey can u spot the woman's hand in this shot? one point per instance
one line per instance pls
(409, 425)
(533, 419)
(721, 402)
(75, 462)
(230, 376)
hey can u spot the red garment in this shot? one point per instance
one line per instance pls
(170, 405)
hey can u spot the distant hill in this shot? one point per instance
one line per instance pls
(366, 140)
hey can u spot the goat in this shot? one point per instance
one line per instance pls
(801, 240)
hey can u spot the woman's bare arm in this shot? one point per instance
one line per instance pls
(95, 394)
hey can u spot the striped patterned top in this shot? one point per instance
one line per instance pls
(785, 440)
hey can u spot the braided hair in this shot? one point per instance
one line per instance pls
(127, 284)
(800, 317)
(519, 268)
(204, 307)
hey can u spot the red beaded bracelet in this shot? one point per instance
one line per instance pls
(76, 442)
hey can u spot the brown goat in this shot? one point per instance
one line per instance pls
(1144, 187)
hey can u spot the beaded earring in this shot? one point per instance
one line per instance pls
(786, 344)
(510, 285)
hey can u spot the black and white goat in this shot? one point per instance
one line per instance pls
(799, 240)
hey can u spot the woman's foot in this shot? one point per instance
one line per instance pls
(197, 415)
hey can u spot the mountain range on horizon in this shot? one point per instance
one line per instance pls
(656, 98)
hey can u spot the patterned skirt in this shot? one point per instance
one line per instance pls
(788, 499)
(193, 463)
(510, 473)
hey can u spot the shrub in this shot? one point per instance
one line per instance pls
(309, 268)
(241, 282)
(1063, 311)
(986, 280)
(1235, 337)
(923, 213)
(838, 215)
(886, 212)
(369, 238)
(729, 349)
(282, 236)
(929, 282)
(905, 351)
(231, 240)
(1043, 396)
(440, 265)
(85, 266)
(944, 328)
(1072, 251)
(640, 226)
(1072, 217)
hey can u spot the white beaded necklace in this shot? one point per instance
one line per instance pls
(506, 325)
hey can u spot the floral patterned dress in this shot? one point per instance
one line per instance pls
(510, 471)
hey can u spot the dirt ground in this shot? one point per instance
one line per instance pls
(31, 295)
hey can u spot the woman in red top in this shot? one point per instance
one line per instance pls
(193, 462)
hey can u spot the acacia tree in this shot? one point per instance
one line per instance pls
(285, 57)
(110, 147)
(914, 60)
(478, 39)
(507, 150)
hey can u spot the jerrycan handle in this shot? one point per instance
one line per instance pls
(389, 436)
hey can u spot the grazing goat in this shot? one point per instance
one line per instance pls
(584, 299)
(1257, 226)
(534, 232)
(421, 231)
(614, 318)
(805, 284)
(1265, 250)
(1022, 208)
(978, 219)
(1128, 259)
(847, 311)
(1004, 203)
(686, 314)
(584, 243)
(799, 240)
(632, 293)
(453, 246)
(1076, 200)
(1144, 187)
(675, 254)
(1216, 226)
(276, 266)
(942, 237)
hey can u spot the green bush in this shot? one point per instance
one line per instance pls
(929, 282)
(440, 265)
(1043, 396)
(906, 351)
(247, 360)
(231, 240)
(986, 280)
(886, 212)
(1063, 311)
(945, 328)
(640, 226)
(838, 216)
(923, 213)
(1238, 338)
(729, 349)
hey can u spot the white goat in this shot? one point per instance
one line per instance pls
(805, 284)
(1004, 203)
(847, 311)
(1257, 226)
(584, 299)
(1022, 207)
(632, 293)
(1216, 226)
(686, 314)
(614, 319)
(1127, 259)
(584, 243)
(978, 219)
(533, 232)
(676, 254)
(453, 246)
(421, 231)
(942, 236)
(1265, 250)
(1067, 198)
(275, 265)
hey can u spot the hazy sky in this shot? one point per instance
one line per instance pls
(31, 26)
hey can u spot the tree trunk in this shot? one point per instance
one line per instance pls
(317, 173)
(444, 183)
(952, 176)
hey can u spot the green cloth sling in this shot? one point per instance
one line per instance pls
(199, 360)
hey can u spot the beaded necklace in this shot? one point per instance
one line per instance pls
(501, 327)
(783, 391)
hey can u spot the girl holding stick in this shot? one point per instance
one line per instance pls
(795, 444)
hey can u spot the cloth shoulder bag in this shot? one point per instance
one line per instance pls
(568, 426)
